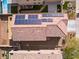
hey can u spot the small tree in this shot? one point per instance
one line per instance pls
(65, 5)
(72, 49)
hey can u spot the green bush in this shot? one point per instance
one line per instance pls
(72, 49)
(65, 5)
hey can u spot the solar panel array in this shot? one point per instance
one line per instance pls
(32, 19)
(32, 16)
(27, 22)
(20, 17)
(52, 15)
(33, 22)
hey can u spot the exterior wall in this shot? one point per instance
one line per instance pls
(51, 43)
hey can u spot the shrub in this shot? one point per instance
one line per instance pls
(72, 49)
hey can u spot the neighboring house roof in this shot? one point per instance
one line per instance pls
(45, 54)
(26, 2)
(56, 27)
(37, 51)
(31, 1)
(3, 33)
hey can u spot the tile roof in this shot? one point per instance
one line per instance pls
(32, 32)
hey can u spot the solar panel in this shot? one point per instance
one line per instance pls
(46, 20)
(52, 15)
(32, 17)
(33, 21)
(20, 17)
(20, 22)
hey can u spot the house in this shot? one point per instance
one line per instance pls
(4, 29)
(44, 31)
(41, 54)
(38, 35)
(31, 6)
(4, 38)
(32, 31)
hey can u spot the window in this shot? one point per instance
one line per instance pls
(33, 16)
